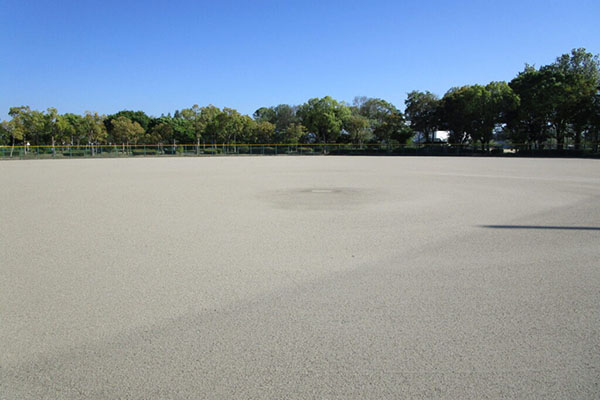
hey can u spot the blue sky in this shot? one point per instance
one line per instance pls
(159, 56)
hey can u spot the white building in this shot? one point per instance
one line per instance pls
(440, 136)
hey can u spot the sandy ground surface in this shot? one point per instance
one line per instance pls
(300, 277)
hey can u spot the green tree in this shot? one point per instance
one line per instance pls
(557, 104)
(359, 129)
(64, 128)
(94, 128)
(282, 117)
(29, 123)
(15, 131)
(229, 125)
(210, 123)
(183, 130)
(162, 131)
(593, 129)
(293, 134)
(454, 116)
(580, 72)
(265, 114)
(374, 109)
(197, 123)
(556, 100)
(5, 133)
(491, 106)
(529, 123)
(126, 131)
(264, 132)
(51, 128)
(136, 116)
(9, 132)
(422, 111)
(285, 116)
(475, 111)
(76, 130)
(394, 128)
(324, 117)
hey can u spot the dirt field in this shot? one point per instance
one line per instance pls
(300, 277)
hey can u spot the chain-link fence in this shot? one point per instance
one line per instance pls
(162, 150)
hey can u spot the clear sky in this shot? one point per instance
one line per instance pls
(159, 56)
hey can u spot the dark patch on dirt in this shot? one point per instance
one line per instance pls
(319, 198)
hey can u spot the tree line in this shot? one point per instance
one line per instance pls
(554, 105)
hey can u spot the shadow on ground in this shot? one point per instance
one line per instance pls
(568, 228)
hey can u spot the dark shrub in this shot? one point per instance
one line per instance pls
(211, 150)
(74, 153)
(305, 150)
(144, 152)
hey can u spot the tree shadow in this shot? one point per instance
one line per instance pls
(568, 228)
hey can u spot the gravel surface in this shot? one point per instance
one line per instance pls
(300, 277)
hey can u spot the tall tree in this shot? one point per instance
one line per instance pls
(51, 127)
(359, 129)
(30, 123)
(476, 110)
(64, 128)
(394, 128)
(281, 116)
(229, 125)
(264, 131)
(324, 117)
(126, 131)
(422, 111)
(265, 114)
(162, 130)
(209, 120)
(454, 115)
(593, 130)
(580, 73)
(487, 107)
(93, 125)
(556, 99)
(285, 115)
(5, 133)
(137, 116)
(293, 134)
(529, 123)
(374, 109)
(10, 132)
(162, 133)
(76, 130)
(197, 123)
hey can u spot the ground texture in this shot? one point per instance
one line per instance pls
(300, 277)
